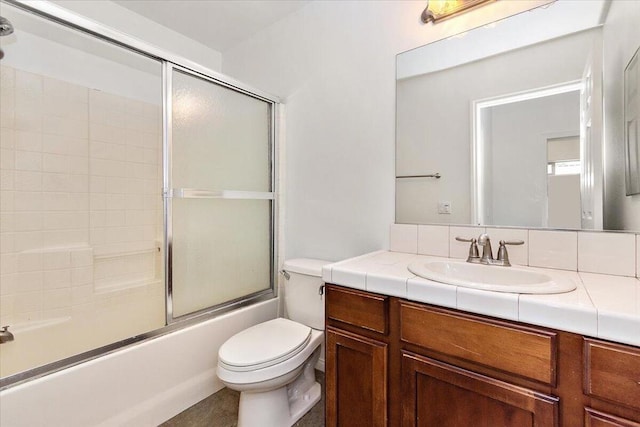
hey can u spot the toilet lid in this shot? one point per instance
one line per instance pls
(264, 345)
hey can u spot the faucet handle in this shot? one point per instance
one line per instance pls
(463, 239)
(474, 255)
(503, 255)
(511, 242)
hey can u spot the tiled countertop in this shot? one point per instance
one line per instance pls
(601, 306)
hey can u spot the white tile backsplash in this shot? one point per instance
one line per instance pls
(403, 238)
(607, 253)
(553, 249)
(597, 252)
(461, 249)
(433, 240)
(518, 254)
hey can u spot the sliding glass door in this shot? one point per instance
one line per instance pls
(134, 193)
(81, 229)
(220, 194)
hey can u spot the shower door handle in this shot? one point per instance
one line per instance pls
(194, 193)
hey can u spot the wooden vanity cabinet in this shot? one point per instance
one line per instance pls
(451, 383)
(443, 395)
(357, 356)
(612, 381)
(399, 363)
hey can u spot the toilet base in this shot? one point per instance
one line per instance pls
(283, 406)
(273, 408)
(300, 407)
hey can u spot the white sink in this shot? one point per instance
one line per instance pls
(490, 277)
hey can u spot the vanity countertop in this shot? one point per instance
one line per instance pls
(602, 306)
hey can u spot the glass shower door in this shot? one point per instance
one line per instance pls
(81, 227)
(220, 202)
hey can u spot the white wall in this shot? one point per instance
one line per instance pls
(621, 39)
(334, 64)
(132, 24)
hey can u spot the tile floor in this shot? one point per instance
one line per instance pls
(221, 410)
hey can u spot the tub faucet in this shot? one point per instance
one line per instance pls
(5, 335)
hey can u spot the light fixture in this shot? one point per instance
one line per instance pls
(438, 10)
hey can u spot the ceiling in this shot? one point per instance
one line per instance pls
(218, 24)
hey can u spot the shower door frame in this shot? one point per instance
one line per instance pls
(169, 193)
(169, 61)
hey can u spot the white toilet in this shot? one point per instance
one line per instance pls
(272, 364)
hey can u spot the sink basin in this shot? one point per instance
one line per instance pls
(490, 278)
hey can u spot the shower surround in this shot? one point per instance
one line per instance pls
(81, 218)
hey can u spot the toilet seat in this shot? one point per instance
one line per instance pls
(264, 345)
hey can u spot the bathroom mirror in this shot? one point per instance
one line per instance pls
(504, 124)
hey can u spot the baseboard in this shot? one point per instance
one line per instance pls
(320, 364)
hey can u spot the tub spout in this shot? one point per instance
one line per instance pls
(5, 335)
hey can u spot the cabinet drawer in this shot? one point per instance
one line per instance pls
(593, 418)
(358, 308)
(523, 351)
(612, 372)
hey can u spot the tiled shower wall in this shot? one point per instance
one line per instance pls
(80, 192)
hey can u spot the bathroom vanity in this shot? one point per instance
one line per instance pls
(396, 358)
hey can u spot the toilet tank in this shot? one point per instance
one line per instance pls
(302, 296)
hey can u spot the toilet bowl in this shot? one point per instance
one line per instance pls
(272, 364)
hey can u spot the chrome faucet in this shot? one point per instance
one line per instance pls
(5, 335)
(473, 257)
(487, 253)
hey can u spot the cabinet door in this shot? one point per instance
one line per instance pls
(612, 372)
(436, 394)
(593, 418)
(356, 380)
